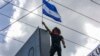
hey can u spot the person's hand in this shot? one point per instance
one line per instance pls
(43, 23)
(64, 46)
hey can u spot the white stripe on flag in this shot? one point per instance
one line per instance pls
(50, 11)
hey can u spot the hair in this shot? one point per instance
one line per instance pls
(57, 29)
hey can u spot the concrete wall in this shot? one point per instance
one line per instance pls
(44, 42)
(37, 45)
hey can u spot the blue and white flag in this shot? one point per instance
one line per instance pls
(95, 52)
(50, 11)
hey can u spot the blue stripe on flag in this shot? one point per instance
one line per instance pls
(50, 11)
(55, 18)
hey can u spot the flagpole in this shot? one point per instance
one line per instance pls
(42, 9)
(42, 12)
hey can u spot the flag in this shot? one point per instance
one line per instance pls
(95, 52)
(50, 11)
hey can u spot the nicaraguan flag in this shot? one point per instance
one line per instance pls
(50, 11)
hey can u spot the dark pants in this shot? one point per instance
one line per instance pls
(55, 49)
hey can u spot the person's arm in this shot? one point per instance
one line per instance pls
(63, 42)
(46, 27)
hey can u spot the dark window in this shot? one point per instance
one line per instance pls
(31, 52)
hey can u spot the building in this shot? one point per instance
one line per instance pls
(37, 45)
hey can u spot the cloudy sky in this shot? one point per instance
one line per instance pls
(80, 24)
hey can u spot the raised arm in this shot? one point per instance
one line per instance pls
(46, 27)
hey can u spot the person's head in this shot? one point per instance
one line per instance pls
(56, 30)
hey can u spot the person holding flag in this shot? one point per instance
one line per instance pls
(51, 11)
(56, 38)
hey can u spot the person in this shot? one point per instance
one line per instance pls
(56, 38)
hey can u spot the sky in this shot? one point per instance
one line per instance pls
(80, 24)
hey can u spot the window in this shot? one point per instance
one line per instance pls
(31, 52)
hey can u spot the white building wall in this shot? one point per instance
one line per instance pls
(37, 45)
